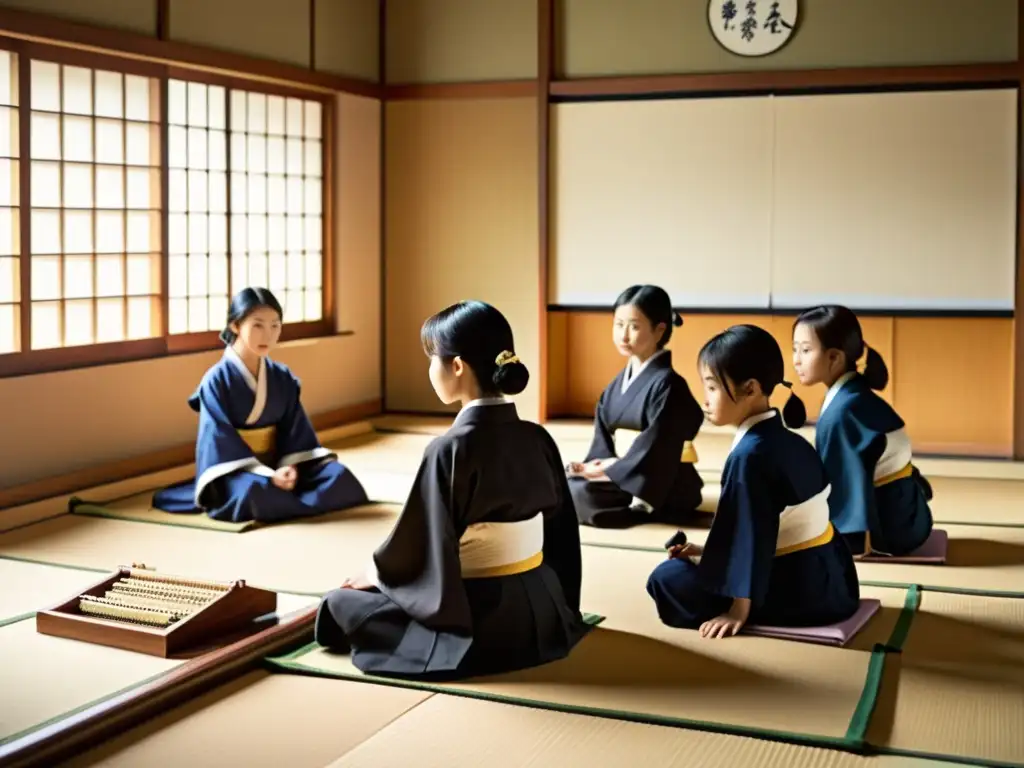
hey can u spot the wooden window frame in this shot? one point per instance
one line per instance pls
(27, 361)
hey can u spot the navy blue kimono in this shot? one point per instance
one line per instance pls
(482, 571)
(248, 427)
(654, 479)
(876, 490)
(771, 541)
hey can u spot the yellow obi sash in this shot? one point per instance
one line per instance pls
(805, 525)
(907, 471)
(487, 550)
(261, 441)
(624, 439)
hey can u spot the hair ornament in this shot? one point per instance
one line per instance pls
(505, 358)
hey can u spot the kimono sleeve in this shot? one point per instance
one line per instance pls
(648, 470)
(296, 439)
(562, 552)
(603, 445)
(418, 566)
(220, 450)
(849, 449)
(740, 548)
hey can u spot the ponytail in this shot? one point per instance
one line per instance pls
(876, 374)
(794, 413)
(677, 319)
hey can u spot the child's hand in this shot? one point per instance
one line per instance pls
(595, 470)
(358, 582)
(689, 549)
(284, 478)
(729, 623)
(574, 468)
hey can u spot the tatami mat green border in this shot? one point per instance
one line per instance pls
(77, 506)
(863, 582)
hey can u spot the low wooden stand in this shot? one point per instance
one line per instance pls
(227, 607)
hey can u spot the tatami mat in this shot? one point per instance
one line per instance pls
(29, 587)
(261, 719)
(506, 736)
(312, 555)
(958, 687)
(44, 677)
(634, 667)
(974, 501)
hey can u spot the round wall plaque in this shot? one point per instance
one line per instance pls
(752, 27)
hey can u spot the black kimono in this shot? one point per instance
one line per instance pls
(482, 571)
(655, 479)
(771, 541)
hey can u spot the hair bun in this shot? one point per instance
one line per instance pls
(511, 378)
(677, 319)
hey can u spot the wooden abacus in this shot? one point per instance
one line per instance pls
(138, 609)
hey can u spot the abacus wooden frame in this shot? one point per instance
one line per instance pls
(27, 361)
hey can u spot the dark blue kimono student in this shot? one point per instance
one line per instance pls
(879, 499)
(481, 573)
(257, 455)
(640, 466)
(772, 556)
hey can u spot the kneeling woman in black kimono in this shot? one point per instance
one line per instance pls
(772, 555)
(653, 478)
(481, 573)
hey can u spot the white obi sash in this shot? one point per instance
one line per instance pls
(624, 439)
(805, 525)
(502, 549)
(896, 459)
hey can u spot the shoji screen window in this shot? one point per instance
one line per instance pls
(95, 206)
(197, 207)
(277, 193)
(10, 242)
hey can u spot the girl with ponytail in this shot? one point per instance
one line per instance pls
(772, 556)
(879, 499)
(640, 466)
(482, 571)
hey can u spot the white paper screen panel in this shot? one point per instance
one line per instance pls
(886, 201)
(673, 192)
(896, 200)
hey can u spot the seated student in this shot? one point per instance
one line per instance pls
(771, 556)
(257, 456)
(654, 479)
(879, 499)
(482, 571)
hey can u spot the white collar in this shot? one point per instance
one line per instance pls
(743, 428)
(834, 390)
(257, 385)
(500, 400)
(633, 370)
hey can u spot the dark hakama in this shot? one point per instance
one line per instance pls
(876, 490)
(431, 614)
(248, 427)
(766, 542)
(655, 480)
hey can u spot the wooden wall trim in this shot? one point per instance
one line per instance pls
(34, 26)
(1018, 323)
(382, 75)
(862, 312)
(545, 71)
(89, 477)
(789, 80)
(491, 89)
